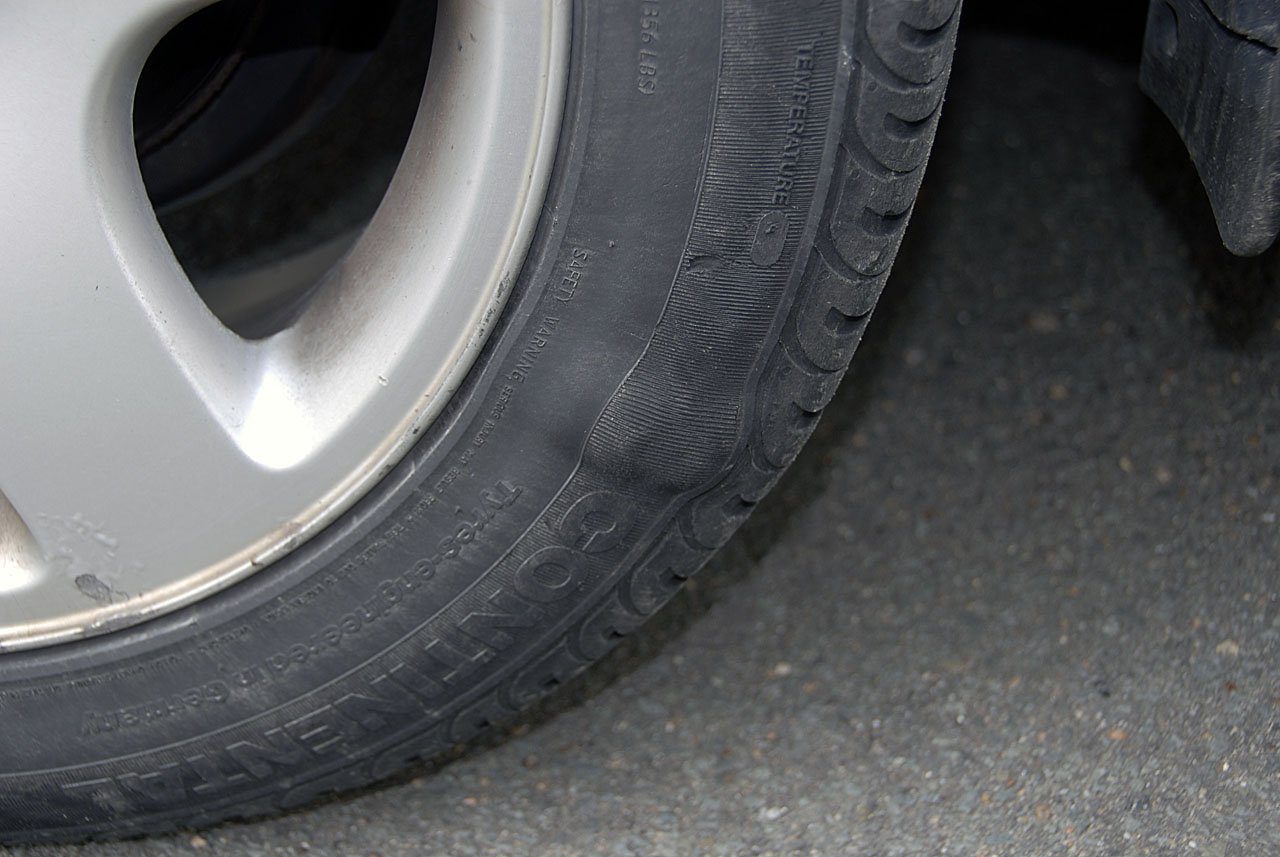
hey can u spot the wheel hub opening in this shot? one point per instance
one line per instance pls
(267, 134)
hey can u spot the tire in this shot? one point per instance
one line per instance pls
(722, 218)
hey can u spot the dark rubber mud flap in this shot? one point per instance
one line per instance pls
(1213, 68)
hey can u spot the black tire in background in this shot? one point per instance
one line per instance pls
(727, 200)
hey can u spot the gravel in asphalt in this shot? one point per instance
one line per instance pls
(1020, 594)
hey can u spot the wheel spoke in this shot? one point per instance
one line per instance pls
(115, 376)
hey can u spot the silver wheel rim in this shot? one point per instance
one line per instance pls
(149, 456)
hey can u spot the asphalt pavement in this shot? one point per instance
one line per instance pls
(1019, 596)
